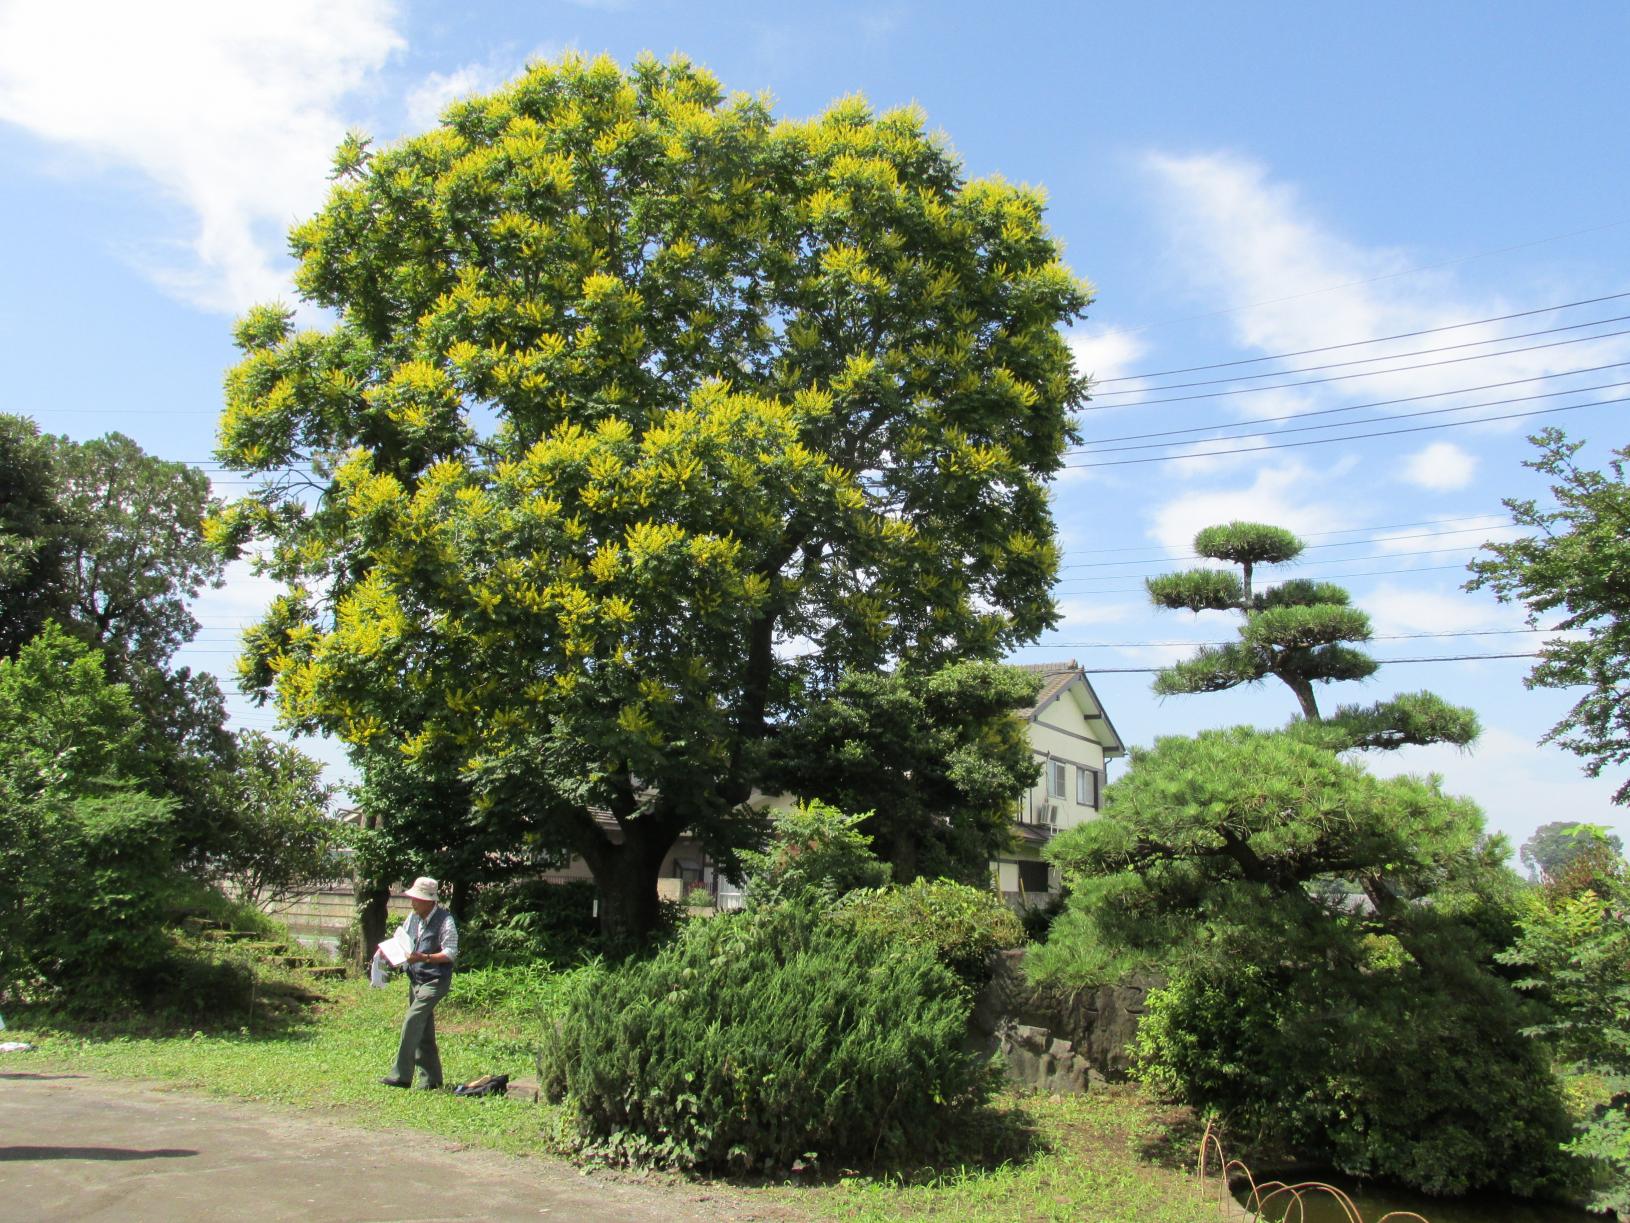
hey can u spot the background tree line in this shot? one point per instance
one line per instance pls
(121, 789)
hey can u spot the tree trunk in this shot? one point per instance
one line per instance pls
(373, 900)
(626, 876)
(460, 900)
(1303, 688)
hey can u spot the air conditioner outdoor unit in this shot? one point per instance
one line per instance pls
(1047, 813)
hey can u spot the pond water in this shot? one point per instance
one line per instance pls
(1374, 1201)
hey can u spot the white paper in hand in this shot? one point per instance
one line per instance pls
(396, 948)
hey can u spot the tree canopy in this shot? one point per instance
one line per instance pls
(646, 415)
(1301, 633)
(1556, 845)
(33, 534)
(1569, 575)
(937, 760)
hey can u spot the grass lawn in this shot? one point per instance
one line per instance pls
(1106, 1157)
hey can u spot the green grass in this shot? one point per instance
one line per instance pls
(331, 1061)
(1108, 1156)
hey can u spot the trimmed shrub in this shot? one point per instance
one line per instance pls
(962, 926)
(763, 1037)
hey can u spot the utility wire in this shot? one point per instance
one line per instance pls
(1347, 543)
(1371, 373)
(1123, 645)
(1384, 526)
(1380, 662)
(1402, 335)
(1320, 575)
(1390, 356)
(1372, 420)
(1354, 407)
(1363, 573)
(1351, 437)
(1368, 280)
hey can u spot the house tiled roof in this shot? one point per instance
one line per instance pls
(1056, 677)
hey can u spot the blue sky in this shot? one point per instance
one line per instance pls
(1238, 181)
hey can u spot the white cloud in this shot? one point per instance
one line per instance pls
(1107, 355)
(436, 92)
(231, 110)
(1079, 611)
(1251, 248)
(1394, 609)
(1519, 786)
(1441, 467)
(1283, 494)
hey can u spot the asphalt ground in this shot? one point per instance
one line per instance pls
(76, 1147)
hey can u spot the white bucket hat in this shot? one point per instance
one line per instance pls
(424, 888)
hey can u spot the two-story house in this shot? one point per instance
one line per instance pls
(1073, 740)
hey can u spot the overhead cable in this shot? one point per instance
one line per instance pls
(1372, 373)
(1383, 339)
(1325, 441)
(1389, 356)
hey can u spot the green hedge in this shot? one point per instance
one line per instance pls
(760, 1038)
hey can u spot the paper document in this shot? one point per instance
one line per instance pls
(396, 948)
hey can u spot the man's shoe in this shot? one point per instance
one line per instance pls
(432, 1086)
(394, 1083)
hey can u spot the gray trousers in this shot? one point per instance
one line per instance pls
(418, 1045)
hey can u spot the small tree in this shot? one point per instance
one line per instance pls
(1301, 633)
(1575, 948)
(282, 838)
(815, 854)
(34, 535)
(1571, 571)
(86, 857)
(1554, 846)
(937, 760)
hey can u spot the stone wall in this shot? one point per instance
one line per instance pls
(1057, 1040)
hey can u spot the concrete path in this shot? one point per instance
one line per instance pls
(84, 1148)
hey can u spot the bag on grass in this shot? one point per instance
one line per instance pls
(486, 1085)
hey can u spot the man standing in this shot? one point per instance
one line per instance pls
(430, 931)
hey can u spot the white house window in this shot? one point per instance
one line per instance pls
(1057, 778)
(1086, 787)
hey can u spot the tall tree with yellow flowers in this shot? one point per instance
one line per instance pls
(645, 415)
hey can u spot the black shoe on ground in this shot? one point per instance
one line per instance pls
(394, 1083)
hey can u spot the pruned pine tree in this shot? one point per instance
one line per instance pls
(1299, 632)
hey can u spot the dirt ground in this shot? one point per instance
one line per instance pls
(83, 1148)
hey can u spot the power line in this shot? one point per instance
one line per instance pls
(1402, 335)
(1390, 356)
(1330, 560)
(1384, 526)
(1399, 369)
(1374, 403)
(1350, 284)
(1372, 420)
(1122, 645)
(1363, 573)
(1351, 437)
(1380, 662)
